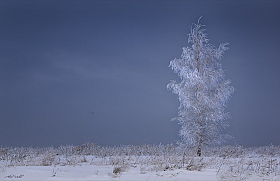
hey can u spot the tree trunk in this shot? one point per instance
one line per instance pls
(199, 147)
(200, 137)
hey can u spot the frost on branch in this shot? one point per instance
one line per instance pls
(203, 91)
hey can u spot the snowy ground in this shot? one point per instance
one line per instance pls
(86, 172)
(145, 162)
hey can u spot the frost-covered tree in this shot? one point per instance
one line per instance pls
(203, 91)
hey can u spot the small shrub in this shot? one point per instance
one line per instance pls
(117, 170)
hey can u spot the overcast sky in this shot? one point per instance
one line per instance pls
(62, 60)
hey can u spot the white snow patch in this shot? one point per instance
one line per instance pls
(87, 172)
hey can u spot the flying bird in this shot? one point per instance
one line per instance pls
(92, 112)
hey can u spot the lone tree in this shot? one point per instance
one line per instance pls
(203, 91)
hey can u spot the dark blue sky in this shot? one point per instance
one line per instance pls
(61, 60)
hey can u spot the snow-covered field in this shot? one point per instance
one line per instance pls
(145, 162)
(84, 172)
